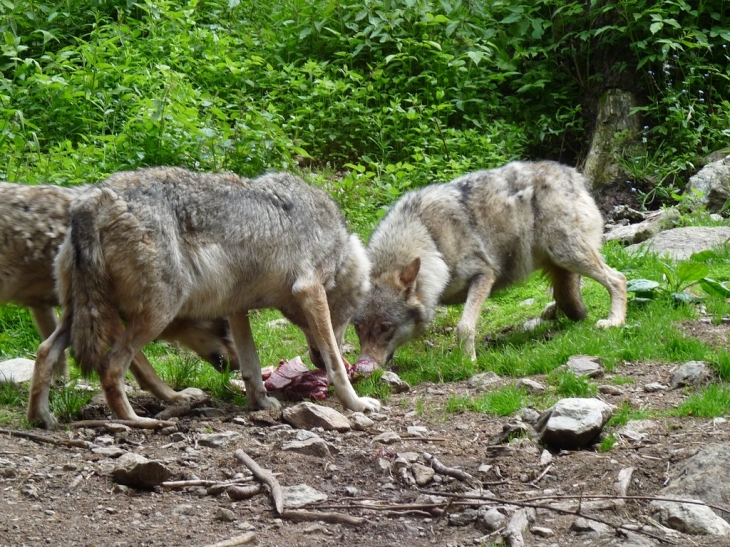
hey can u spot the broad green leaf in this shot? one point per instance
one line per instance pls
(641, 285)
(656, 27)
(714, 288)
(703, 256)
(685, 297)
(689, 272)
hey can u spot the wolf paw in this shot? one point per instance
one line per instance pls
(367, 404)
(550, 312)
(44, 419)
(608, 323)
(190, 394)
(267, 403)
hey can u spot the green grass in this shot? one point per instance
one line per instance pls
(710, 402)
(501, 402)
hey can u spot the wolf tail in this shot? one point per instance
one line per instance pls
(94, 314)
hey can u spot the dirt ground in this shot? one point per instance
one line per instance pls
(57, 495)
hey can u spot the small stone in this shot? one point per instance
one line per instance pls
(463, 518)
(529, 415)
(394, 381)
(608, 389)
(489, 520)
(417, 430)
(225, 515)
(300, 495)
(351, 491)
(16, 371)
(311, 447)
(309, 415)
(585, 365)
(184, 509)
(545, 458)
(423, 474)
(483, 380)
(388, 437)
(530, 385)
(691, 373)
(360, 422)
(108, 451)
(542, 532)
(220, 439)
(382, 464)
(573, 423)
(653, 387)
(591, 528)
(137, 471)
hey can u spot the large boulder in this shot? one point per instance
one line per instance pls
(711, 185)
(681, 243)
(573, 423)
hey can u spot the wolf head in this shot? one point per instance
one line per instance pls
(392, 313)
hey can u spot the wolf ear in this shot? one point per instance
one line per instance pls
(409, 273)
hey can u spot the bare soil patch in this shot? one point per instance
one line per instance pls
(54, 495)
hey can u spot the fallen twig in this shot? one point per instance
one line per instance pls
(159, 424)
(233, 542)
(541, 475)
(183, 409)
(333, 518)
(439, 467)
(203, 482)
(264, 476)
(43, 439)
(519, 521)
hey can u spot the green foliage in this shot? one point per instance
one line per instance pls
(711, 402)
(569, 385)
(607, 443)
(502, 402)
(67, 401)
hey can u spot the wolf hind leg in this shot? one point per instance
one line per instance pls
(45, 321)
(589, 263)
(312, 298)
(136, 335)
(249, 363)
(566, 292)
(49, 353)
(479, 290)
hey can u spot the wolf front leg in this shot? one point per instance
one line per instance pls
(249, 363)
(313, 300)
(49, 354)
(479, 290)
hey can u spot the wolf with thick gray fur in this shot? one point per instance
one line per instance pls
(33, 223)
(153, 245)
(458, 242)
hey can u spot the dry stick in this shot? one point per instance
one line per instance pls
(519, 521)
(439, 467)
(183, 409)
(129, 423)
(203, 482)
(264, 476)
(334, 518)
(233, 542)
(541, 475)
(43, 439)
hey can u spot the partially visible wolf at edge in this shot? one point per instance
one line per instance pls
(460, 241)
(156, 244)
(33, 223)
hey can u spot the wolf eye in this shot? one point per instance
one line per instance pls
(385, 328)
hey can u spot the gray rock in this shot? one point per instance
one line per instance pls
(483, 379)
(711, 185)
(388, 437)
(530, 385)
(529, 415)
(463, 518)
(422, 473)
(655, 222)
(219, 439)
(183, 509)
(692, 373)
(609, 389)
(394, 381)
(703, 476)
(360, 422)
(417, 430)
(690, 518)
(16, 371)
(545, 458)
(653, 387)
(542, 531)
(573, 423)
(138, 472)
(225, 515)
(489, 519)
(301, 495)
(108, 451)
(681, 243)
(591, 528)
(585, 365)
(308, 415)
(311, 447)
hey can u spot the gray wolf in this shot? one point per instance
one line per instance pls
(460, 241)
(150, 246)
(33, 223)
